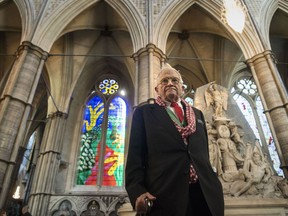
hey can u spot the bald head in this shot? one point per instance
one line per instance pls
(168, 68)
(169, 84)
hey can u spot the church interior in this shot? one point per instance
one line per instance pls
(72, 72)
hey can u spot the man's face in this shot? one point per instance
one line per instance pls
(169, 85)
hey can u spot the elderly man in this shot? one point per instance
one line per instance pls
(168, 159)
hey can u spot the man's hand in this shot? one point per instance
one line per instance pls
(141, 202)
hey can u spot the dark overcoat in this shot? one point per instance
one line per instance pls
(158, 162)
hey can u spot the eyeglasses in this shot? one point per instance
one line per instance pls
(174, 80)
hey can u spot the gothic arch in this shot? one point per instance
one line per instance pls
(134, 21)
(248, 41)
(27, 12)
(55, 19)
(283, 5)
(268, 9)
(166, 20)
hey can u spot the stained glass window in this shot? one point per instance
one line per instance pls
(108, 86)
(101, 160)
(246, 86)
(90, 142)
(268, 137)
(115, 136)
(247, 111)
(189, 100)
(189, 93)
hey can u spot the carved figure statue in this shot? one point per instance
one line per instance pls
(283, 186)
(230, 155)
(235, 136)
(214, 150)
(255, 170)
(217, 99)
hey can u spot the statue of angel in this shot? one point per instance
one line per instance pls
(217, 98)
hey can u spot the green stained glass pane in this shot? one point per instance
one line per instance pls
(115, 143)
(90, 138)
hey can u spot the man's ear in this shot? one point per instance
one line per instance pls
(183, 90)
(156, 89)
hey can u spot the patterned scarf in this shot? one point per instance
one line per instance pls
(190, 117)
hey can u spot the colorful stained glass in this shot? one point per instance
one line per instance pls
(90, 139)
(268, 137)
(93, 146)
(108, 86)
(115, 137)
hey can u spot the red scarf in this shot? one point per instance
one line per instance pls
(190, 117)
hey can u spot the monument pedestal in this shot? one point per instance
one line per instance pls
(238, 207)
(256, 207)
(126, 210)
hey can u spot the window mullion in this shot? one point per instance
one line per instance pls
(100, 171)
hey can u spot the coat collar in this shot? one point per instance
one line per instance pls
(161, 115)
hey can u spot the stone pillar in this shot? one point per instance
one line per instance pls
(15, 105)
(148, 63)
(275, 101)
(47, 164)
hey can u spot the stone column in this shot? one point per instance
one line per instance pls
(15, 105)
(275, 101)
(148, 63)
(47, 164)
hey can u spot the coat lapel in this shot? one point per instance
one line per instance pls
(161, 115)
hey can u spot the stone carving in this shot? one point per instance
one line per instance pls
(65, 208)
(216, 98)
(231, 157)
(240, 164)
(214, 150)
(283, 186)
(98, 205)
(93, 209)
(255, 171)
(235, 135)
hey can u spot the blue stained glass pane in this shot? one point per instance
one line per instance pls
(115, 143)
(108, 86)
(189, 100)
(93, 114)
(90, 138)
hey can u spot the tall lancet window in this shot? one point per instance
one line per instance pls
(101, 160)
(246, 95)
(188, 92)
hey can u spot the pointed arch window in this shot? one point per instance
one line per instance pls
(189, 92)
(101, 159)
(246, 95)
